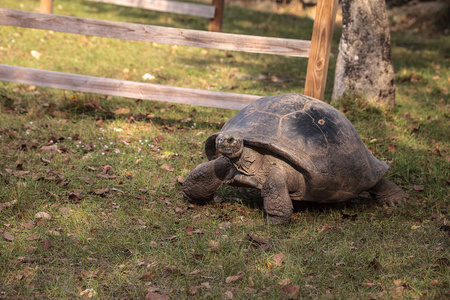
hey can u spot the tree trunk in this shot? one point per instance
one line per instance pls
(364, 64)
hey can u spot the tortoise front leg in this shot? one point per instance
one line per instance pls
(201, 184)
(275, 192)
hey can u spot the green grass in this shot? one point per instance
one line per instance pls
(139, 236)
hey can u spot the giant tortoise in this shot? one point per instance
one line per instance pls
(293, 148)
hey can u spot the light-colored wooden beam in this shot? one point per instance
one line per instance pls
(158, 34)
(192, 9)
(316, 74)
(123, 88)
(46, 6)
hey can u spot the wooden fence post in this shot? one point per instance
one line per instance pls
(46, 6)
(216, 23)
(319, 54)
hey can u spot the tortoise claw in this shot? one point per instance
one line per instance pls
(388, 193)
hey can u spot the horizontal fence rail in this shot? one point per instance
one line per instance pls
(158, 34)
(192, 9)
(317, 65)
(123, 88)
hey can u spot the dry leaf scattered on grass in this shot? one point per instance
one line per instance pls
(258, 241)
(284, 282)
(234, 278)
(7, 204)
(43, 215)
(419, 187)
(50, 148)
(8, 237)
(156, 296)
(292, 291)
(167, 167)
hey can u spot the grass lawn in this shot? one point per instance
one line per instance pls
(91, 203)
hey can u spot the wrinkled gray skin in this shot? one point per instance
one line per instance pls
(292, 148)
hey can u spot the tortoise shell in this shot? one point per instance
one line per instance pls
(315, 138)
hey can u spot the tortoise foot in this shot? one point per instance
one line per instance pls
(387, 192)
(277, 203)
(201, 184)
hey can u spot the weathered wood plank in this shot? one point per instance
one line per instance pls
(123, 88)
(46, 6)
(158, 34)
(216, 22)
(316, 74)
(192, 9)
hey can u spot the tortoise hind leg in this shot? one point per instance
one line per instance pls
(201, 184)
(387, 192)
(277, 203)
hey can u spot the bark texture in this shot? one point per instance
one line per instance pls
(364, 64)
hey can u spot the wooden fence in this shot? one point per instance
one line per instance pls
(212, 12)
(317, 49)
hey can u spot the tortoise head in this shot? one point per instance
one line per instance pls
(229, 145)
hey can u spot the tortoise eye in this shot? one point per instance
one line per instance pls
(230, 140)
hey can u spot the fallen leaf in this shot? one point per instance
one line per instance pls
(234, 278)
(74, 197)
(419, 188)
(89, 274)
(28, 225)
(171, 269)
(54, 232)
(258, 241)
(148, 77)
(215, 246)
(43, 215)
(178, 179)
(228, 295)
(146, 277)
(292, 291)
(45, 161)
(195, 272)
(47, 245)
(8, 237)
(50, 148)
(189, 229)
(36, 54)
(167, 167)
(88, 293)
(414, 77)
(392, 148)
(106, 169)
(7, 204)
(225, 225)
(434, 282)
(122, 111)
(100, 192)
(21, 173)
(106, 176)
(278, 259)
(250, 282)
(284, 282)
(156, 296)
(31, 238)
(398, 282)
